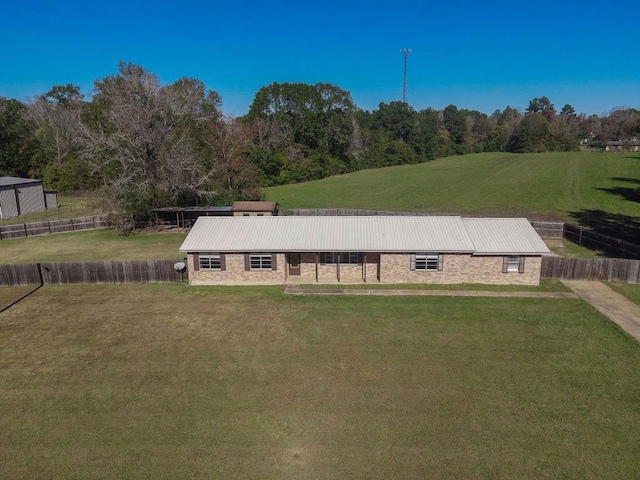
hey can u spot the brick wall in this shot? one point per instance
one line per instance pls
(394, 268)
(235, 273)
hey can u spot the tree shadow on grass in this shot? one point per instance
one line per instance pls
(624, 227)
(15, 302)
(626, 179)
(630, 194)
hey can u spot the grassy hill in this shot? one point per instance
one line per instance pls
(567, 186)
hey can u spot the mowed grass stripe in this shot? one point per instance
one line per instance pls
(92, 246)
(537, 186)
(170, 381)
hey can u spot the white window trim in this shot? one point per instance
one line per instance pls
(513, 264)
(427, 262)
(205, 261)
(263, 261)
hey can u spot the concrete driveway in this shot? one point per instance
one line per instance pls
(610, 303)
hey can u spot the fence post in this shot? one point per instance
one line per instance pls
(40, 274)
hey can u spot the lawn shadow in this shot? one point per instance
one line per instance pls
(630, 194)
(624, 227)
(15, 302)
(626, 179)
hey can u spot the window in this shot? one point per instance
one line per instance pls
(513, 264)
(260, 261)
(345, 258)
(430, 262)
(210, 261)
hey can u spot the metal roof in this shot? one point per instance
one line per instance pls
(10, 181)
(192, 209)
(443, 234)
(493, 236)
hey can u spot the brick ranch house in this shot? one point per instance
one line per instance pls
(376, 249)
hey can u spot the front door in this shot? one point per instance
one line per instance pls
(294, 264)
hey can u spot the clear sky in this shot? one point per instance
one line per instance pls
(481, 55)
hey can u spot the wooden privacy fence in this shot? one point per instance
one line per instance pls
(348, 212)
(139, 271)
(549, 229)
(591, 269)
(600, 242)
(53, 226)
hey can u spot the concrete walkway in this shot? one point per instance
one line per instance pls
(296, 290)
(610, 303)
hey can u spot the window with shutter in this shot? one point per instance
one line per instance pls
(431, 262)
(210, 261)
(261, 261)
(512, 264)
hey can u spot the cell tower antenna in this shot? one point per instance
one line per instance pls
(405, 52)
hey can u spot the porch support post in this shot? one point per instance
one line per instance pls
(316, 267)
(364, 267)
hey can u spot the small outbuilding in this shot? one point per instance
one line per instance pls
(254, 209)
(376, 249)
(185, 217)
(19, 196)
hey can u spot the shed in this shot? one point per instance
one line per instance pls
(19, 196)
(254, 209)
(185, 217)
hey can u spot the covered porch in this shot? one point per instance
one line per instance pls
(332, 267)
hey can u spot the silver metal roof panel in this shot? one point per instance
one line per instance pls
(9, 181)
(496, 236)
(326, 234)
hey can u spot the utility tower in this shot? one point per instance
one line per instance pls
(405, 52)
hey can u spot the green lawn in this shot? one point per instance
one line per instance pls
(566, 186)
(565, 248)
(171, 381)
(546, 285)
(95, 245)
(631, 291)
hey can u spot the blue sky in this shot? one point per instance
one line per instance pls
(476, 55)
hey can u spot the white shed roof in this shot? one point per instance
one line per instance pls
(444, 234)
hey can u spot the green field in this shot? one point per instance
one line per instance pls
(566, 186)
(92, 246)
(170, 381)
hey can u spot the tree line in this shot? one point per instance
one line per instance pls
(143, 144)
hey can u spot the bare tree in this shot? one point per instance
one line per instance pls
(229, 140)
(57, 117)
(143, 139)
